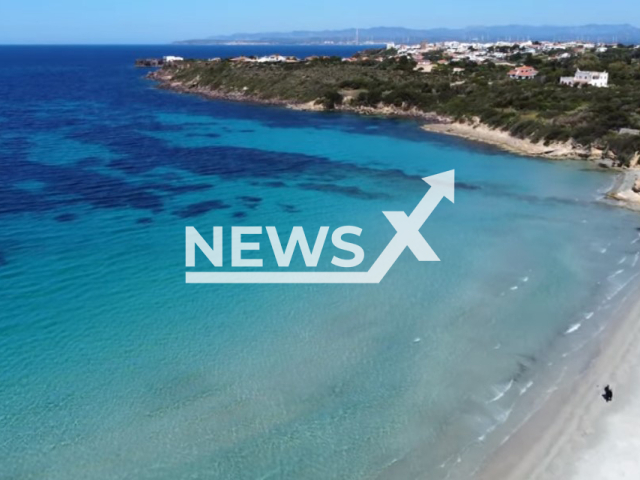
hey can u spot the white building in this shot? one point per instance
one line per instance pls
(171, 59)
(595, 79)
(271, 59)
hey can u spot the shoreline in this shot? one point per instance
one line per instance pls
(574, 424)
(166, 82)
(558, 441)
(502, 139)
(622, 191)
(435, 123)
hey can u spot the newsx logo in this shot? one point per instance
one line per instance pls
(283, 257)
(407, 236)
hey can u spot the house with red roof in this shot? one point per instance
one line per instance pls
(523, 73)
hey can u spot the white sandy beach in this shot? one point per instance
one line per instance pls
(615, 452)
(577, 435)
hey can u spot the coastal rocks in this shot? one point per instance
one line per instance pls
(149, 62)
(596, 154)
(391, 111)
(308, 107)
(472, 130)
(607, 163)
(193, 83)
(626, 189)
(167, 81)
(480, 132)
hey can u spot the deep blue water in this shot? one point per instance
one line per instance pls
(112, 367)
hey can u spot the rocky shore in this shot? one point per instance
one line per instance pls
(626, 189)
(503, 139)
(433, 122)
(166, 81)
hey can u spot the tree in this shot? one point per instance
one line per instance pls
(330, 99)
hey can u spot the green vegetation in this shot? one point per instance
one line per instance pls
(539, 109)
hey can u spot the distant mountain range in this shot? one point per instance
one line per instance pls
(591, 33)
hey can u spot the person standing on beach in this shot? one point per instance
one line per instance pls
(608, 394)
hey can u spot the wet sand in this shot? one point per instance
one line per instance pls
(576, 434)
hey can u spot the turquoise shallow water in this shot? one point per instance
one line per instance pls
(112, 367)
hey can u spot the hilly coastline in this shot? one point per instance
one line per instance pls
(478, 101)
(623, 33)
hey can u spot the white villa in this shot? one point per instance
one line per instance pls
(595, 79)
(171, 59)
(272, 59)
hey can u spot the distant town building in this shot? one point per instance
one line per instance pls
(523, 73)
(595, 79)
(424, 66)
(272, 59)
(171, 59)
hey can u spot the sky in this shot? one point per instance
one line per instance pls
(163, 21)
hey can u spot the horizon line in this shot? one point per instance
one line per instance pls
(222, 37)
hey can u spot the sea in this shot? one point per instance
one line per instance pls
(113, 367)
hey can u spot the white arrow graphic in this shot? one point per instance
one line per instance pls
(407, 235)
